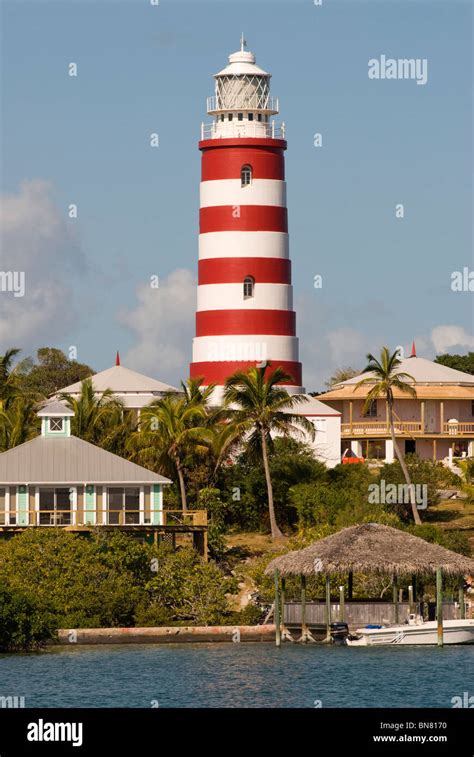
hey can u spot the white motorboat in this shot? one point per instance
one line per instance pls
(414, 631)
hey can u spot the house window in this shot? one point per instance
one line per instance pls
(2, 506)
(123, 505)
(371, 411)
(249, 286)
(472, 408)
(55, 506)
(245, 176)
(56, 424)
(250, 116)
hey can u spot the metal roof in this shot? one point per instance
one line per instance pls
(55, 409)
(242, 62)
(69, 460)
(313, 407)
(120, 379)
(423, 371)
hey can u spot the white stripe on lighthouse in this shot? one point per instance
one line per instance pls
(243, 244)
(245, 347)
(231, 192)
(230, 297)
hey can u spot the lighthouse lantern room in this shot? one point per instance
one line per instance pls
(245, 311)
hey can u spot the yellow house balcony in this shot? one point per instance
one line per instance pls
(406, 428)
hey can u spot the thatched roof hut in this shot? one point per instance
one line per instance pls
(372, 548)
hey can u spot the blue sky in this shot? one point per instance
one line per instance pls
(144, 69)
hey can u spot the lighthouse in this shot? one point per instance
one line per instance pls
(245, 313)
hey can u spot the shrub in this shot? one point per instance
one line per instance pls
(23, 626)
(189, 588)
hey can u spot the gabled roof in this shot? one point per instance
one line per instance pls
(120, 379)
(69, 460)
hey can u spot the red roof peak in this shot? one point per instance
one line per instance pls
(117, 358)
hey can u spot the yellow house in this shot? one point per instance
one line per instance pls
(438, 424)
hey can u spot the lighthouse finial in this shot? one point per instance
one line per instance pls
(117, 358)
(243, 43)
(413, 349)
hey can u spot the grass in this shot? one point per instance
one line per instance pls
(453, 514)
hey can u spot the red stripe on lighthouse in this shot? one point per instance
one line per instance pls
(243, 218)
(227, 162)
(217, 373)
(236, 322)
(234, 270)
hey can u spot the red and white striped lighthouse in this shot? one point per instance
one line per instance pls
(245, 310)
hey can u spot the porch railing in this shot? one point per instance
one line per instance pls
(374, 428)
(22, 517)
(458, 428)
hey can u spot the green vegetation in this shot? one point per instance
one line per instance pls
(263, 406)
(241, 463)
(23, 624)
(54, 579)
(52, 372)
(174, 431)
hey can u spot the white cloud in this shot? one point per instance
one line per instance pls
(38, 241)
(445, 338)
(346, 345)
(163, 322)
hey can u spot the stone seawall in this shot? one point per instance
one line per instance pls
(163, 635)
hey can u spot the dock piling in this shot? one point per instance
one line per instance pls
(439, 605)
(276, 611)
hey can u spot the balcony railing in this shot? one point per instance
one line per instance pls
(405, 428)
(458, 428)
(232, 129)
(117, 518)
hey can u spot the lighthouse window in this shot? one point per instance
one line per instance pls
(259, 116)
(240, 116)
(245, 176)
(249, 285)
(230, 116)
(222, 116)
(250, 116)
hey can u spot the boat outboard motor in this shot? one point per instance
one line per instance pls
(339, 632)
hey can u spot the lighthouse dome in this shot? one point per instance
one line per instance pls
(241, 63)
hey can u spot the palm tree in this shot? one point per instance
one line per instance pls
(9, 387)
(257, 406)
(173, 429)
(387, 378)
(18, 422)
(95, 415)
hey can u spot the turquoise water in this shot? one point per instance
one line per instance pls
(238, 675)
